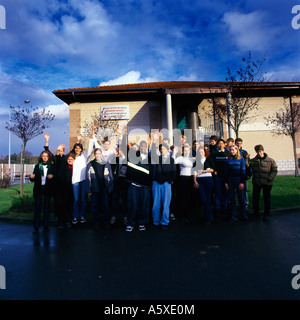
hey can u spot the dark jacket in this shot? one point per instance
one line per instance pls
(219, 158)
(96, 179)
(264, 170)
(49, 186)
(164, 172)
(60, 165)
(140, 171)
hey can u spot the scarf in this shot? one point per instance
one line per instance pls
(41, 167)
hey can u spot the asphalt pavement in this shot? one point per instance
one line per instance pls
(189, 261)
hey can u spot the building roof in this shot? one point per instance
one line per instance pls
(174, 87)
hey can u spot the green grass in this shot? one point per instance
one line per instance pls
(285, 194)
(11, 203)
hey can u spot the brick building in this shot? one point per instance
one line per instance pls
(184, 105)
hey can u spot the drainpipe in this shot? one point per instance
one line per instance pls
(169, 117)
(228, 103)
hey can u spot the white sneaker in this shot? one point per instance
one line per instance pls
(129, 228)
(142, 227)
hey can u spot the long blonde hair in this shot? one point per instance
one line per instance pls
(237, 155)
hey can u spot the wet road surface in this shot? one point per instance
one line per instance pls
(189, 261)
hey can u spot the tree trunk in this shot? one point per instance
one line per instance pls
(295, 156)
(22, 170)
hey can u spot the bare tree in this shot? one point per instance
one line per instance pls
(104, 129)
(286, 122)
(242, 100)
(26, 124)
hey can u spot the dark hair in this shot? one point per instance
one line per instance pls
(71, 154)
(220, 140)
(78, 144)
(97, 149)
(238, 140)
(49, 156)
(258, 147)
(213, 138)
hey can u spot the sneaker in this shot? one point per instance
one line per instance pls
(74, 221)
(172, 217)
(142, 227)
(233, 219)
(164, 227)
(82, 220)
(129, 228)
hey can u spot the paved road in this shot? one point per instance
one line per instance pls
(189, 261)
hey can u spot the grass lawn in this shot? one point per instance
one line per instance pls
(285, 194)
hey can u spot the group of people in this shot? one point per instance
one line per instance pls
(150, 183)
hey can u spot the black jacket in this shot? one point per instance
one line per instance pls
(140, 171)
(164, 172)
(96, 180)
(49, 186)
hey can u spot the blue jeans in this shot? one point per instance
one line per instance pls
(162, 193)
(205, 191)
(233, 183)
(220, 193)
(79, 192)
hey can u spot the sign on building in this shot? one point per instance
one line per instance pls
(115, 112)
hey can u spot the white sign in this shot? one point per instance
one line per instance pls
(116, 112)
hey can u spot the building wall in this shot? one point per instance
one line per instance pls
(279, 147)
(148, 115)
(144, 116)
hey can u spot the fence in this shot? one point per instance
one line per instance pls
(15, 171)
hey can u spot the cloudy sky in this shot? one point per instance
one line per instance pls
(57, 44)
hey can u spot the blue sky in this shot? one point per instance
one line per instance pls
(52, 44)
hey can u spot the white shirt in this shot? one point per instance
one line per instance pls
(186, 165)
(45, 169)
(79, 166)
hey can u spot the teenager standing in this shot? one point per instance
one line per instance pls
(78, 179)
(42, 177)
(203, 181)
(164, 173)
(235, 176)
(264, 170)
(99, 183)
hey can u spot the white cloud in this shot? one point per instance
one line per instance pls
(250, 31)
(61, 111)
(129, 77)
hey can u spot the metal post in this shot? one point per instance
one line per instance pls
(169, 117)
